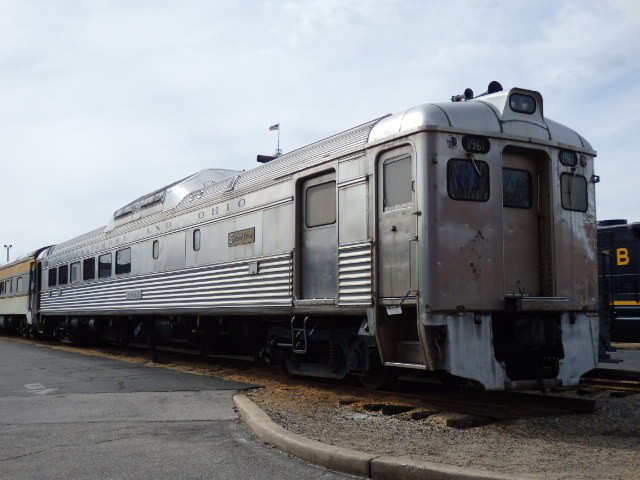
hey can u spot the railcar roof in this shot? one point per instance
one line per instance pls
(169, 196)
(24, 258)
(487, 114)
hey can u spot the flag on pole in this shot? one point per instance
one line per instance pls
(274, 127)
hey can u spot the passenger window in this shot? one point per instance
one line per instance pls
(89, 269)
(75, 272)
(63, 274)
(321, 204)
(574, 192)
(196, 240)
(123, 261)
(468, 180)
(1, 288)
(104, 265)
(398, 189)
(516, 188)
(53, 277)
(156, 249)
(19, 285)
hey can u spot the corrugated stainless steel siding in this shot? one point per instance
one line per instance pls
(354, 274)
(227, 285)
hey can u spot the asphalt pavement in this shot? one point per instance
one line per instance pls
(623, 357)
(71, 416)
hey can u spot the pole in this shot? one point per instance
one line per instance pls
(278, 151)
(272, 128)
(8, 247)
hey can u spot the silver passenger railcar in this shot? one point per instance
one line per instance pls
(455, 237)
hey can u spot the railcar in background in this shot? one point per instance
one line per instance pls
(619, 279)
(455, 237)
(20, 293)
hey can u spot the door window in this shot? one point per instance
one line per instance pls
(397, 183)
(321, 204)
(516, 188)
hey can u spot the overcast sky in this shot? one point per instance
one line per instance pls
(102, 101)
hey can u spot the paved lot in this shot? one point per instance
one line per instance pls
(70, 416)
(626, 357)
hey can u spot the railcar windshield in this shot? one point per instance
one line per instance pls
(574, 192)
(468, 180)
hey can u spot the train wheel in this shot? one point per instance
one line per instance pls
(32, 332)
(22, 328)
(378, 376)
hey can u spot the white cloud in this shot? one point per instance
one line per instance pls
(103, 101)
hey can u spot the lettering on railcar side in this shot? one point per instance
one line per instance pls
(622, 256)
(163, 228)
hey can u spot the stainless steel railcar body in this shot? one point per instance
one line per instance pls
(457, 237)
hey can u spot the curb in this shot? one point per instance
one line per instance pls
(375, 467)
(334, 458)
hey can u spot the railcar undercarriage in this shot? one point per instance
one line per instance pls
(317, 346)
(525, 348)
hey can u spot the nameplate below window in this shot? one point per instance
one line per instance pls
(134, 294)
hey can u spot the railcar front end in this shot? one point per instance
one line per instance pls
(499, 245)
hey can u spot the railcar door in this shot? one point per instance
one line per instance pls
(397, 224)
(521, 223)
(33, 293)
(319, 238)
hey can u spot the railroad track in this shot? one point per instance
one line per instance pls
(419, 396)
(611, 379)
(406, 395)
